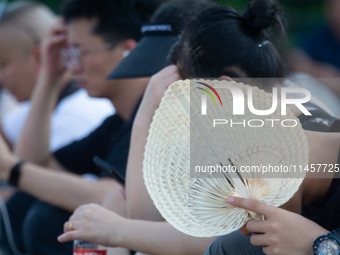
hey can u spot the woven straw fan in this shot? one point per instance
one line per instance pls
(181, 139)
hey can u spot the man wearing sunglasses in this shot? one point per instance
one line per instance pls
(98, 34)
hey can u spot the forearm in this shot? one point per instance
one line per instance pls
(33, 144)
(5, 138)
(160, 238)
(139, 203)
(62, 189)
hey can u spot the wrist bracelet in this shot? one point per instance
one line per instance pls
(15, 174)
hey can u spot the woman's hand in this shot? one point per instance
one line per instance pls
(282, 232)
(93, 223)
(155, 90)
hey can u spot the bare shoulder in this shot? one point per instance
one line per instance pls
(323, 147)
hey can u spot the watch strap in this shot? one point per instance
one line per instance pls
(317, 241)
(336, 233)
(15, 174)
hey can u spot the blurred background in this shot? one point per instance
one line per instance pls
(312, 47)
(302, 16)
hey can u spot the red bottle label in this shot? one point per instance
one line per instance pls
(88, 252)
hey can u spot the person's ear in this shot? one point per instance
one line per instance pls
(224, 77)
(128, 46)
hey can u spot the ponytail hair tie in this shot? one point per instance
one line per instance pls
(264, 43)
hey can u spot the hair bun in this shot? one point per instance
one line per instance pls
(262, 14)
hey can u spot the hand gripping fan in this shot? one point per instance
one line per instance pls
(183, 142)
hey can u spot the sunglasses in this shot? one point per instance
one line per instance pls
(72, 55)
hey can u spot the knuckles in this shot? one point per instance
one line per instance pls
(273, 250)
(251, 204)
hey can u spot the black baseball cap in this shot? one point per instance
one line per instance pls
(150, 54)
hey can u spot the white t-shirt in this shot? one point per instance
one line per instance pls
(7, 102)
(74, 117)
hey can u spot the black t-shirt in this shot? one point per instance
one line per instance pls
(319, 121)
(327, 212)
(110, 141)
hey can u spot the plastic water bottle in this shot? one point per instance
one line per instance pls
(87, 248)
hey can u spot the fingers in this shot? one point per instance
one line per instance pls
(57, 34)
(61, 38)
(80, 215)
(167, 71)
(70, 226)
(52, 46)
(73, 222)
(58, 28)
(260, 240)
(72, 232)
(258, 226)
(226, 78)
(70, 236)
(252, 205)
(255, 226)
(245, 231)
(159, 83)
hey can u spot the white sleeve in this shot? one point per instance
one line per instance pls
(76, 116)
(13, 121)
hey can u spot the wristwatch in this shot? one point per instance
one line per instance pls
(327, 244)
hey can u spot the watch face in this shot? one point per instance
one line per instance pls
(328, 247)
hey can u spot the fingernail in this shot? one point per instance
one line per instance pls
(231, 199)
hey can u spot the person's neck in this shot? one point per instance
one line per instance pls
(130, 93)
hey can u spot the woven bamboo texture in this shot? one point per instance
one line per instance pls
(197, 206)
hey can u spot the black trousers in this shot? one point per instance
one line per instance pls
(233, 244)
(36, 226)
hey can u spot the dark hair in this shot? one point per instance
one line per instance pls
(179, 11)
(220, 41)
(117, 19)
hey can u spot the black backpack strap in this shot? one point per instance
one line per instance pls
(319, 121)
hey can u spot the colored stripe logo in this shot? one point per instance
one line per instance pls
(209, 93)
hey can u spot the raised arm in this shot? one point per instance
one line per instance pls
(34, 141)
(139, 203)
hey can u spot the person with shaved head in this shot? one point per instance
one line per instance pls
(23, 27)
